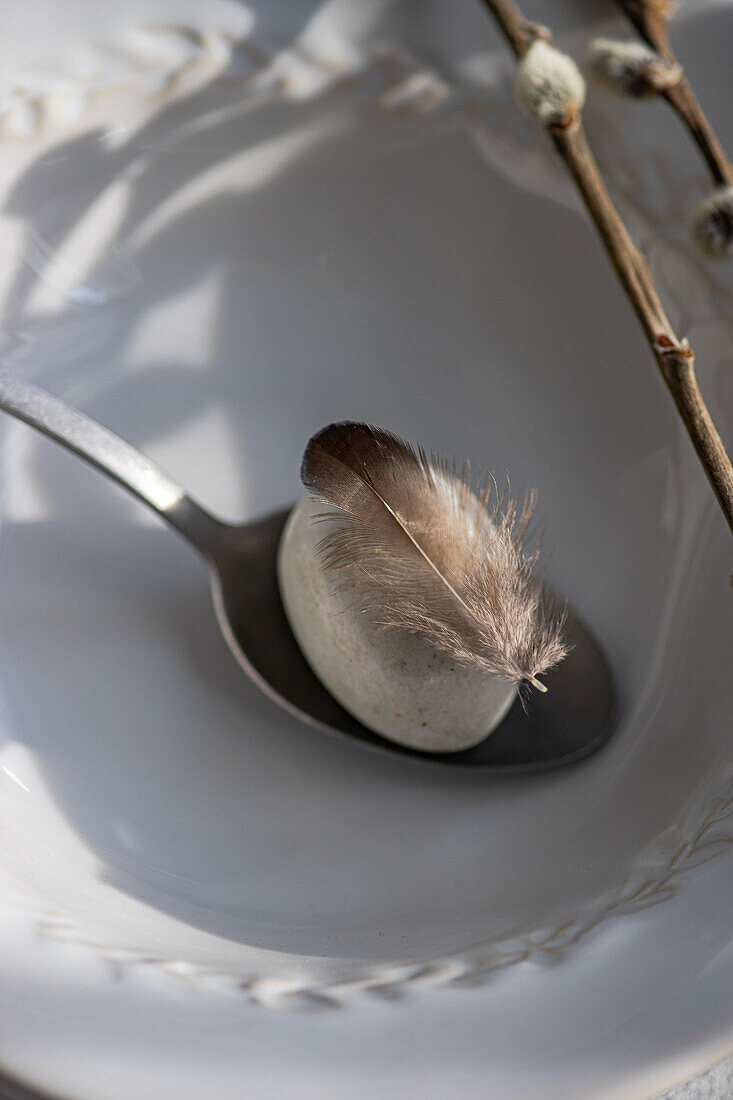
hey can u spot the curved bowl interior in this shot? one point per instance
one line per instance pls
(215, 287)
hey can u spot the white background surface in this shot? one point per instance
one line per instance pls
(652, 994)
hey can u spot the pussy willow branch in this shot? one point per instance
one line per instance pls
(651, 19)
(674, 357)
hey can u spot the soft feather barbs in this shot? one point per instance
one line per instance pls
(421, 551)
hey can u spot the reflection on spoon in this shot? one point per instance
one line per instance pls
(568, 723)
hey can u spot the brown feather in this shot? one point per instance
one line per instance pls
(419, 550)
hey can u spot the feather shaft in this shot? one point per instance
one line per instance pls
(427, 558)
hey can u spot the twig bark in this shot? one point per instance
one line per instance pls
(674, 357)
(651, 19)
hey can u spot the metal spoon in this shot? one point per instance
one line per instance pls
(571, 721)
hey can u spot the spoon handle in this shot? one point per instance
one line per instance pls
(110, 455)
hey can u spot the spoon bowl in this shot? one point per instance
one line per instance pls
(572, 720)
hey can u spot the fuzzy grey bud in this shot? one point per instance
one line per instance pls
(549, 85)
(712, 224)
(631, 68)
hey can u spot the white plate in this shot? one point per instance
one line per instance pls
(363, 227)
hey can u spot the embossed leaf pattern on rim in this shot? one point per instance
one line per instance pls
(654, 878)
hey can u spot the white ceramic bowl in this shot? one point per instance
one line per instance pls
(358, 226)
